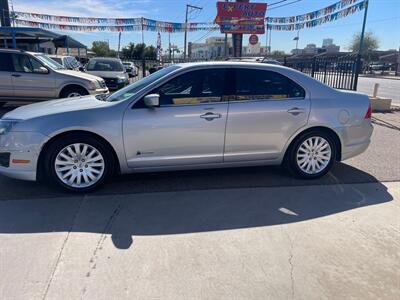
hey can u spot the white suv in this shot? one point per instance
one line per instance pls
(28, 76)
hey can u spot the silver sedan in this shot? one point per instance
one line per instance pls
(188, 116)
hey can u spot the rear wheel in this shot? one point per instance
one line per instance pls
(78, 163)
(73, 91)
(312, 155)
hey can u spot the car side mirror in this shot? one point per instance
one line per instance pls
(152, 100)
(42, 70)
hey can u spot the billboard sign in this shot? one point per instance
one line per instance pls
(241, 17)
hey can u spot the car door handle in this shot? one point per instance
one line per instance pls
(16, 75)
(295, 111)
(210, 116)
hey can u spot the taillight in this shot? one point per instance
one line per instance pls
(368, 115)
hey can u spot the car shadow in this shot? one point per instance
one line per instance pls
(192, 202)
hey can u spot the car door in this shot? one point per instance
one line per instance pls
(31, 79)
(266, 111)
(187, 128)
(6, 85)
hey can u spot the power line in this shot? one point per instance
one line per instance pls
(277, 2)
(285, 4)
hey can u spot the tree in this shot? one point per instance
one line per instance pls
(139, 51)
(127, 51)
(371, 43)
(101, 48)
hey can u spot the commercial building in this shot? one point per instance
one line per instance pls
(311, 49)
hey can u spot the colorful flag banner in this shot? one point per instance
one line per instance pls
(316, 22)
(312, 15)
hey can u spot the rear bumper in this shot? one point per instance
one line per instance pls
(356, 139)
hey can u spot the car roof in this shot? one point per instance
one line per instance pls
(59, 56)
(18, 51)
(105, 58)
(258, 65)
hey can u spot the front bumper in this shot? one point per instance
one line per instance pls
(24, 149)
(99, 91)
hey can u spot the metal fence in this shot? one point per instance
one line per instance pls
(336, 71)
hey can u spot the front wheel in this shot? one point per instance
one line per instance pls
(312, 155)
(71, 92)
(78, 163)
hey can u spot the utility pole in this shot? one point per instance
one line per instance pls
(119, 43)
(361, 46)
(189, 8)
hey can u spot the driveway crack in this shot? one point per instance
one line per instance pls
(290, 261)
(62, 248)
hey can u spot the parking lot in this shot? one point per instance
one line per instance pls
(211, 234)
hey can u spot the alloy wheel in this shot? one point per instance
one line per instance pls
(314, 155)
(79, 165)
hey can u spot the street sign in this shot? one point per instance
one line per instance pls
(240, 17)
(253, 39)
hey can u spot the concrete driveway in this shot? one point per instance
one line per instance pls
(250, 233)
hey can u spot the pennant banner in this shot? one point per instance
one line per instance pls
(327, 14)
(148, 26)
(312, 15)
(316, 22)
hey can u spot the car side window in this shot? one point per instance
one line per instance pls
(195, 87)
(26, 64)
(6, 62)
(253, 84)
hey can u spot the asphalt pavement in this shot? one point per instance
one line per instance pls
(244, 233)
(388, 88)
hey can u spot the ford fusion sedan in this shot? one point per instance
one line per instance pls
(28, 76)
(111, 70)
(188, 116)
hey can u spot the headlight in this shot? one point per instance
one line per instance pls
(121, 79)
(6, 125)
(94, 85)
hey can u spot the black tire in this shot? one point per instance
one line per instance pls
(68, 91)
(50, 174)
(291, 163)
(2, 104)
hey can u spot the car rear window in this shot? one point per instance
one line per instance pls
(253, 84)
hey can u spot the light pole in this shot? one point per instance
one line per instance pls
(361, 46)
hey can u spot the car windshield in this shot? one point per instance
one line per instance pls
(134, 88)
(105, 65)
(57, 60)
(49, 62)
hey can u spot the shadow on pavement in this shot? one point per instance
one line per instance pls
(188, 180)
(193, 202)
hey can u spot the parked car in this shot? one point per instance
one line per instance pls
(110, 69)
(130, 69)
(28, 76)
(271, 61)
(188, 116)
(68, 62)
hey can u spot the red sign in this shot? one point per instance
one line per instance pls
(241, 17)
(253, 39)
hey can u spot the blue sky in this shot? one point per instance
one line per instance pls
(383, 20)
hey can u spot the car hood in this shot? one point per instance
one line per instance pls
(80, 75)
(55, 107)
(107, 74)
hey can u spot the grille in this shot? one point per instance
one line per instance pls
(5, 159)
